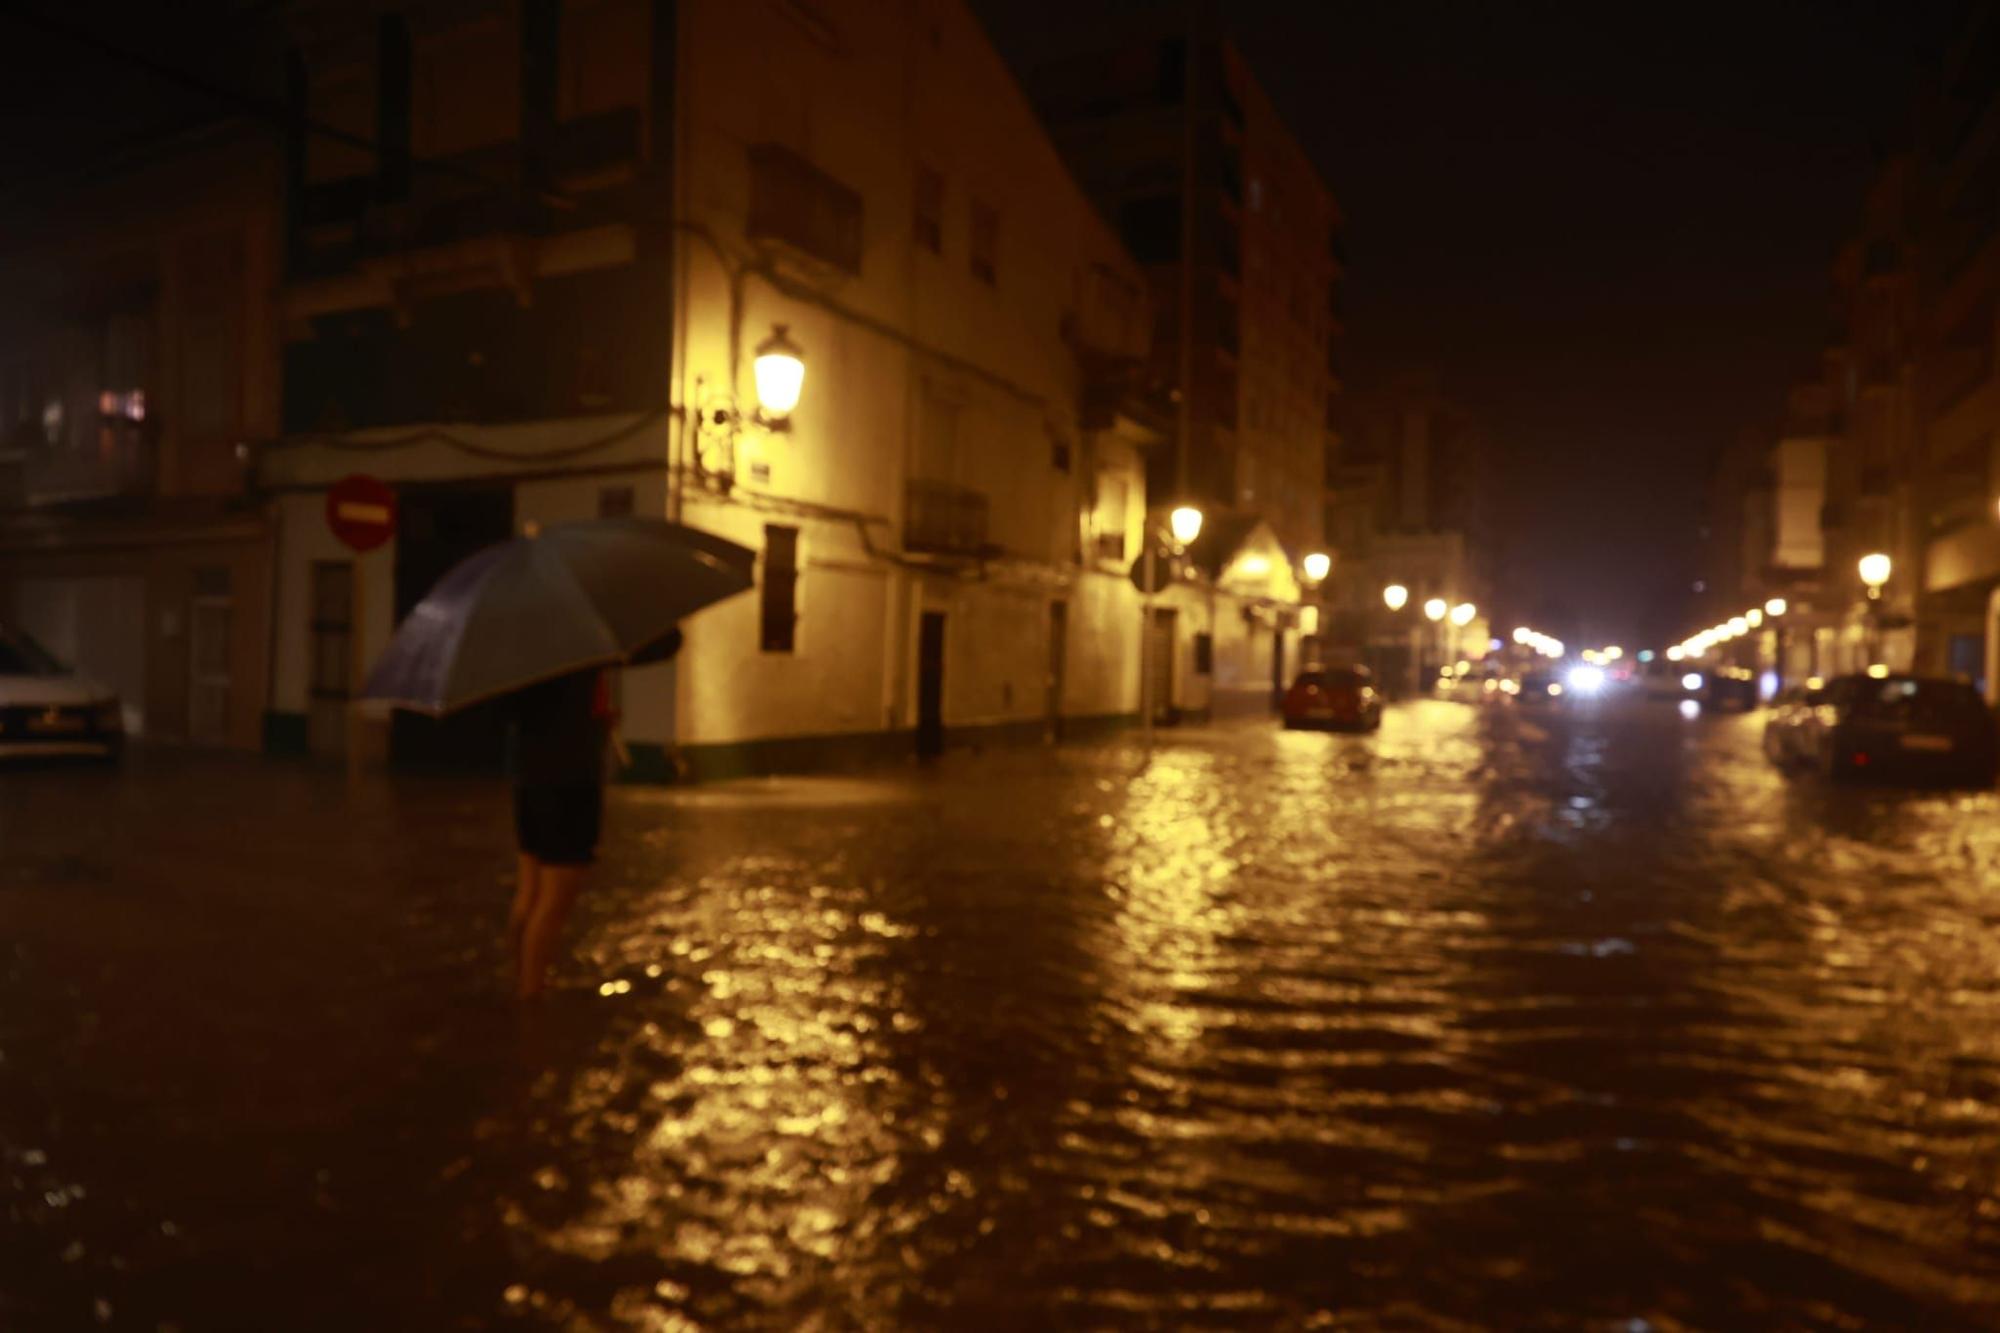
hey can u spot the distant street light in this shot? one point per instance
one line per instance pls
(1185, 522)
(1777, 606)
(1318, 565)
(1395, 596)
(1875, 569)
(1738, 627)
(1462, 614)
(1435, 609)
(1755, 617)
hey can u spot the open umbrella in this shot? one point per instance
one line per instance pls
(598, 592)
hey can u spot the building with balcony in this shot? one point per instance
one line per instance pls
(1409, 502)
(1166, 126)
(538, 295)
(138, 369)
(1956, 482)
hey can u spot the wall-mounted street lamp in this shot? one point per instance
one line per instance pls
(1317, 566)
(1462, 614)
(1777, 606)
(1395, 596)
(1436, 608)
(779, 372)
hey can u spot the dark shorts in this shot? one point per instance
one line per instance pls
(558, 825)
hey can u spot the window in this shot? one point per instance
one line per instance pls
(793, 201)
(209, 618)
(1204, 653)
(779, 630)
(1151, 228)
(927, 222)
(985, 242)
(332, 628)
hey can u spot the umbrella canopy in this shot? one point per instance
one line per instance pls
(593, 593)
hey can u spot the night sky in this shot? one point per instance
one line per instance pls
(1608, 227)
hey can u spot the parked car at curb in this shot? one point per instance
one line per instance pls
(1334, 698)
(48, 711)
(1787, 730)
(1902, 729)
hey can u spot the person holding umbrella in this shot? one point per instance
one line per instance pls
(536, 621)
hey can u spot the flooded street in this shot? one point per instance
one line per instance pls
(1582, 1021)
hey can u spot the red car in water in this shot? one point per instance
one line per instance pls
(1334, 698)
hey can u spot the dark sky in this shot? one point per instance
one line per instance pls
(1608, 227)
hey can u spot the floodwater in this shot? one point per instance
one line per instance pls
(1587, 1020)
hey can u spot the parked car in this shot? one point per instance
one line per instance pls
(47, 710)
(1788, 737)
(1902, 728)
(1334, 697)
(1723, 687)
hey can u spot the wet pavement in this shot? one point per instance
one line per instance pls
(1584, 1021)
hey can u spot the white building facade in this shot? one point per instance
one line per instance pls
(543, 298)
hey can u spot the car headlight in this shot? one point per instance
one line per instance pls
(110, 716)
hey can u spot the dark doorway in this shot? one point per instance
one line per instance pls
(436, 528)
(1160, 665)
(1277, 669)
(930, 684)
(1058, 662)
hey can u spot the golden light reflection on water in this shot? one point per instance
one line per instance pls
(775, 1115)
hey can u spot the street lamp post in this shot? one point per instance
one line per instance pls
(1774, 613)
(1316, 566)
(1396, 597)
(1874, 569)
(1183, 525)
(1435, 610)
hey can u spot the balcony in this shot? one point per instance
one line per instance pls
(795, 203)
(943, 519)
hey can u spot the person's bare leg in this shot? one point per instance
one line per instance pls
(526, 887)
(557, 888)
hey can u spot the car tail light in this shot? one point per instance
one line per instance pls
(1860, 759)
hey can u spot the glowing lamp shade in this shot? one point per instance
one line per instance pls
(1874, 569)
(1435, 608)
(780, 369)
(1318, 565)
(1777, 606)
(1755, 618)
(1395, 596)
(1185, 524)
(1462, 614)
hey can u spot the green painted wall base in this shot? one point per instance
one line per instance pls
(286, 735)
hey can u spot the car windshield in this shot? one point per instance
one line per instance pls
(22, 656)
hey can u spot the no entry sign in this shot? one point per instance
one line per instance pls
(361, 511)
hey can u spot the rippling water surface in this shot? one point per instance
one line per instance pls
(1586, 1021)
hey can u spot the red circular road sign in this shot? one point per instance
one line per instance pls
(361, 511)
